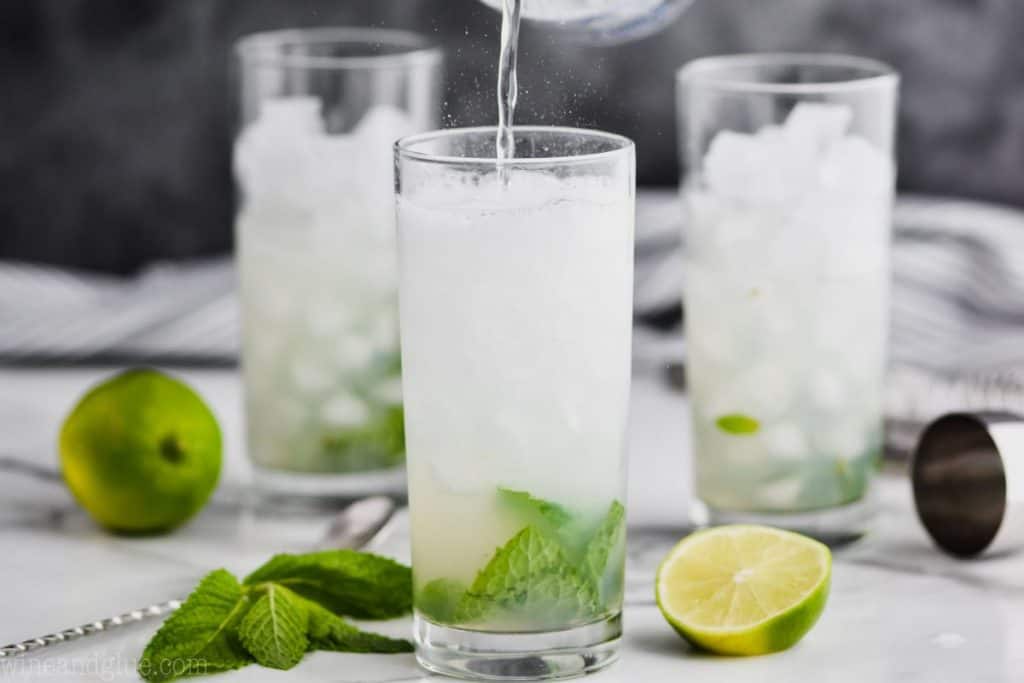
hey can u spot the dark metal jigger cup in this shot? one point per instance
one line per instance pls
(968, 478)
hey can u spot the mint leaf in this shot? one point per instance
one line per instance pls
(550, 518)
(201, 637)
(274, 630)
(542, 510)
(528, 581)
(737, 424)
(346, 582)
(607, 548)
(439, 599)
(328, 631)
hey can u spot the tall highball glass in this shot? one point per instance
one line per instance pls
(516, 299)
(788, 191)
(316, 251)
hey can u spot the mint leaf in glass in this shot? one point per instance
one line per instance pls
(201, 636)
(375, 444)
(542, 510)
(738, 424)
(346, 582)
(551, 518)
(439, 599)
(274, 629)
(607, 548)
(528, 581)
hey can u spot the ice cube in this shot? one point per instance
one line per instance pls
(769, 389)
(277, 166)
(354, 352)
(845, 440)
(712, 342)
(818, 124)
(290, 412)
(763, 393)
(384, 124)
(308, 376)
(325, 318)
(742, 453)
(344, 411)
(854, 166)
(827, 390)
(285, 157)
(334, 172)
(767, 167)
(734, 164)
(780, 494)
(786, 441)
(375, 136)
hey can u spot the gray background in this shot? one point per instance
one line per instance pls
(116, 115)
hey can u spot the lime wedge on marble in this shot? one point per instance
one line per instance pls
(744, 590)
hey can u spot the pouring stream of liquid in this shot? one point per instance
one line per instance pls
(508, 83)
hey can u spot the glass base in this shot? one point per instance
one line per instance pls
(480, 655)
(834, 527)
(326, 489)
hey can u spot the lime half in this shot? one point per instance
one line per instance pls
(744, 590)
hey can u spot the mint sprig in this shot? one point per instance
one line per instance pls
(328, 631)
(529, 579)
(556, 570)
(274, 629)
(202, 636)
(346, 582)
(291, 605)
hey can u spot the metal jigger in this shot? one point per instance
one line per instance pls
(968, 478)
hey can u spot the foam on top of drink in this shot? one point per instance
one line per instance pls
(525, 190)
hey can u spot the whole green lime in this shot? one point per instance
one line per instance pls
(141, 452)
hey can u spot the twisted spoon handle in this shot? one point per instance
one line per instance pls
(26, 646)
(354, 527)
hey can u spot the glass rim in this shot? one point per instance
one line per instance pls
(410, 49)
(712, 72)
(405, 147)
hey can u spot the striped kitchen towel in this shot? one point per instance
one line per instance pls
(171, 312)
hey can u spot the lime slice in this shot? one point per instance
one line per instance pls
(744, 590)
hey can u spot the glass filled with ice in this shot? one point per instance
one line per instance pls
(516, 302)
(316, 251)
(788, 193)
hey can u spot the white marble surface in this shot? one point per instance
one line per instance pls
(899, 611)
